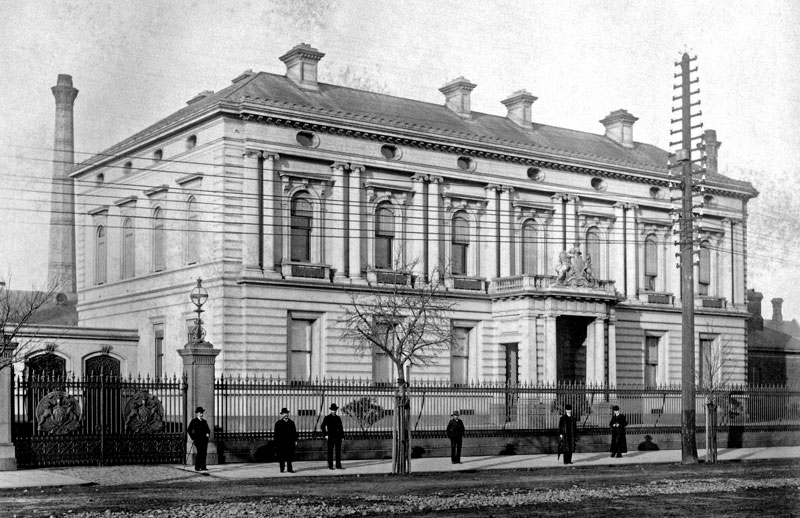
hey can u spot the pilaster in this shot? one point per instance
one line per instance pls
(506, 223)
(336, 221)
(434, 227)
(416, 230)
(355, 216)
(269, 225)
(251, 213)
(491, 234)
(550, 350)
(8, 457)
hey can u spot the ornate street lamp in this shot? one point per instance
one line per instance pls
(199, 296)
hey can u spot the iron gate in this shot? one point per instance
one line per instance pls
(99, 420)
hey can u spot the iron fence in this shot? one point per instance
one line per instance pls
(248, 408)
(98, 420)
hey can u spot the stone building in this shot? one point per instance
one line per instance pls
(283, 192)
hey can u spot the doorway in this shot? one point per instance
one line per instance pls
(571, 334)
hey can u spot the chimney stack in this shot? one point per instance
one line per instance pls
(456, 94)
(619, 127)
(61, 258)
(712, 150)
(777, 311)
(754, 299)
(301, 65)
(519, 107)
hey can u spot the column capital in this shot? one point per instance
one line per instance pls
(573, 197)
(271, 155)
(559, 196)
(419, 177)
(252, 153)
(506, 188)
(342, 166)
(435, 179)
(358, 168)
(492, 187)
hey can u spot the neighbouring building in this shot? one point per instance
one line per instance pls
(282, 193)
(773, 345)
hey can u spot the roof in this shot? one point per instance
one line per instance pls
(51, 312)
(272, 91)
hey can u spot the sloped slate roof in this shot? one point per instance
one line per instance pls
(411, 116)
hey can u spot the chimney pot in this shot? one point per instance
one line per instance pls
(619, 127)
(712, 146)
(456, 95)
(301, 65)
(777, 311)
(519, 107)
(754, 299)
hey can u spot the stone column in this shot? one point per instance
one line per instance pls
(573, 234)
(198, 367)
(560, 232)
(251, 212)
(491, 236)
(355, 208)
(617, 264)
(416, 228)
(612, 351)
(631, 253)
(550, 350)
(597, 328)
(270, 226)
(528, 349)
(335, 221)
(506, 221)
(8, 457)
(434, 226)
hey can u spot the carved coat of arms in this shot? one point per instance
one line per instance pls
(144, 413)
(58, 413)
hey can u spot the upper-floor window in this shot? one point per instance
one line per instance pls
(302, 221)
(593, 251)
(460, 245)
(704, 269)
(192, 231)
(159, 241)
(128, 249)
(650, 263)
(529, 248)
(384, 236)
(100, 256)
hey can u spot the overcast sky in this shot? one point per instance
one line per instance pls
(136, 62)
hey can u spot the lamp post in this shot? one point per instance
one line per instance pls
(199, 296)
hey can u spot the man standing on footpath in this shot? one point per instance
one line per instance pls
(333, 431)
(285, 440)
(455, 431)
(199, 432)
(619, 443)
(568, 433)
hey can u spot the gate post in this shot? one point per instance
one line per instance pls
(198, 368)
(8, 454)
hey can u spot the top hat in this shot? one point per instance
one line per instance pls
(284, 410)
(455, 413)
(567, 407)
(334, 406)
(615, 408)
(199, 410)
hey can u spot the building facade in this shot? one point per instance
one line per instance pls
(285, 194)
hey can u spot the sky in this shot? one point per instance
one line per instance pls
(137, 62)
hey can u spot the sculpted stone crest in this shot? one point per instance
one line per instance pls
(144, 413)
(58, 413)
(575, 270)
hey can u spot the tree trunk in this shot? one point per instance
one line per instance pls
(401, 434)
(711, 430)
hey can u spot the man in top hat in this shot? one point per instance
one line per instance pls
(285, 440)
(200, 433)
(333, 431)
(568, 433)
(619, 443)
(455, 431)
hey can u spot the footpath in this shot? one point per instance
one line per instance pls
(136, 474)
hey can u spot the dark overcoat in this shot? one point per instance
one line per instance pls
(332, 427)
(619, 443)
(285, 439)
(455, 429)
(198, 430)
(568, 428)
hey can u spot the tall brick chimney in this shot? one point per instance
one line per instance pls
(754, 299)
(61, 254)
(777, 311)
(456, 96)
(301, 65)
(712, 150)
(619, 127)
(519, 107)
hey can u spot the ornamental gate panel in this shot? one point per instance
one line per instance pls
(99, 419)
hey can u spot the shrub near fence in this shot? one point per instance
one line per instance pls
(247, 408)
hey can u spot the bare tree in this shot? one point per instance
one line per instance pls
(408, 321)
(713, 378)
(19, 310)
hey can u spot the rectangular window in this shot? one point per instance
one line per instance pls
(707, 362)
(512, 364)
(158, 349)
(459, 356)
(651, 360)
(382, 368)
(459, 265)
(300, 348)
(704, 271)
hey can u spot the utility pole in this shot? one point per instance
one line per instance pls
(682, 159)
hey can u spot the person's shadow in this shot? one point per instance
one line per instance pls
(648, 444)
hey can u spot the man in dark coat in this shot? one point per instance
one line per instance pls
(333, 431)
(619, 444)
(199, 432)
(567, 433)
(455, 431)
(285, 440)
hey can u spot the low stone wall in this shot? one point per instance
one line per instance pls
(355, 449)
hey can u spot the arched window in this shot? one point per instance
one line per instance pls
(384, 237)
(192, 231)
(650, 263)
(302, 221)
(100, 256)
(529, 248)
(128, 249)
(46, 364)
(593, 251)
(159, 241)
(704, 269)
(460, 245)
(103, 364)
